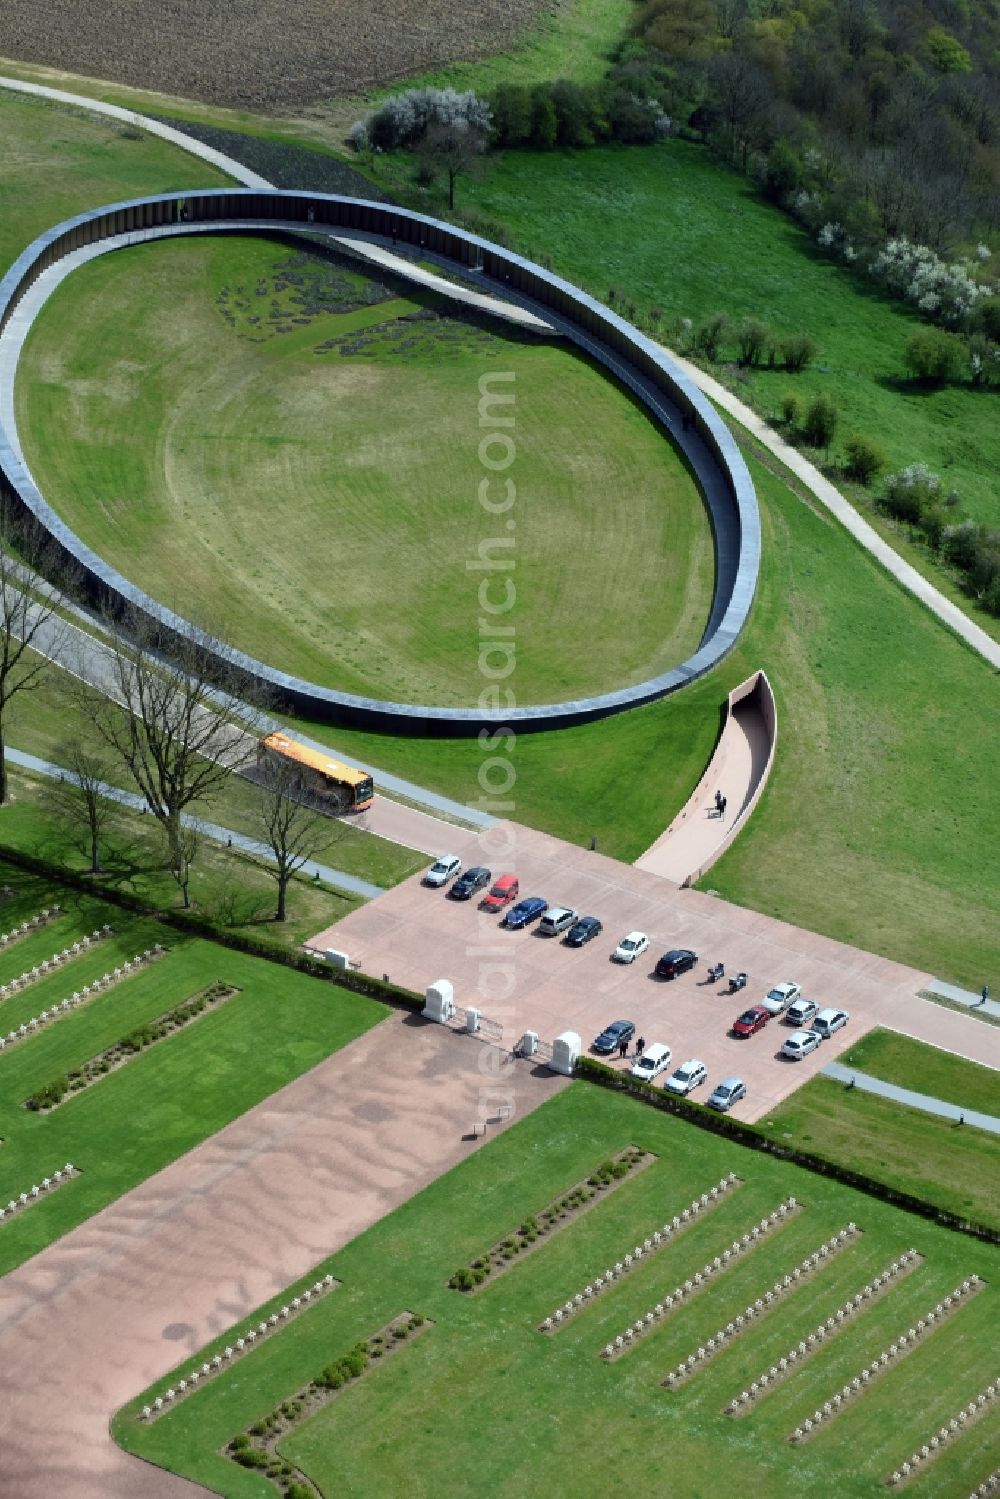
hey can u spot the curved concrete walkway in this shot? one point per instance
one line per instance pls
(187, 143)
(738, 769)
(832, 500)
(924, 1101)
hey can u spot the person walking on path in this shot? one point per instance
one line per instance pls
(640, 1046)
(623, 1049)
(722, 806)
(985, 994)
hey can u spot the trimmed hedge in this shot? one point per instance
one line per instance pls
(756, 1139)
(196, 925)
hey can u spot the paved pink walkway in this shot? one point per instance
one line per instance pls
(89, 1322)
(736, 768)
(530, 982)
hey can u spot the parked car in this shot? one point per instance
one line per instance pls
(780, 997)
(689, 1075)
(556, 920)
(751, 1021)
(584, 930)
(801, 1012)
(726, 1093)
(524, 912)
(829, 1021)
(630, 947)
(677, 960)
(610, 1039)
(654, 1060)
(800, 1044)
(441, 871)
(468, 883)
(500, 893)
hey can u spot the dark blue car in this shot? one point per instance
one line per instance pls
(610, 1040)
(524, 912)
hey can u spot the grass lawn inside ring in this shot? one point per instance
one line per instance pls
(635, 361)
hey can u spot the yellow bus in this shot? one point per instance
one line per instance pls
(339, 786)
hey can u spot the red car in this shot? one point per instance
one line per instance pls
(503, 892)
(751, 1021)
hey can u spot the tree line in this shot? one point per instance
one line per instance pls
(164, 716)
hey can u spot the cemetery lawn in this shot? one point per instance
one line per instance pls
(294, 462)
(949, 1163)
(165, 1100)
(484, 1403)
(926, 1069)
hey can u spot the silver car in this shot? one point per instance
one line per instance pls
(441, 871)
(801, 1012)
(726, 1093)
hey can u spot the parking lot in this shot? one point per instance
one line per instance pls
(416, 935)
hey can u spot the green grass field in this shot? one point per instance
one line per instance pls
(327, 505)
(56, 161)
(215, 1066)
(926, 1069)
(483, 1403)
(681, 232)
(876, 826)
(940, 1159)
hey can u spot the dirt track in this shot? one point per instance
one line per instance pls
(258, 54)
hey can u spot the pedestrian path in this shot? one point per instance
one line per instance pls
(311, 869)
(923, 1101)
(964, 997)
(227, 164)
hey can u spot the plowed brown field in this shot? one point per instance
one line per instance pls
(258, 54)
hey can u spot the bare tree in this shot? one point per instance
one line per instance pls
(294, 829)
(78, 797)
(181, 721)
(29, 623)
(452, 147)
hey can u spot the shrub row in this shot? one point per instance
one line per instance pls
(137, 1040)
(917, 497)
(755, 1138)
(535, 1226)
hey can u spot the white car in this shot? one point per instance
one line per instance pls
(828, 1021)
(801, 1012)
(631, 947)
(688, 1076)
(800, 1044)
(780, 997)
(654, 1060)
(441, 872)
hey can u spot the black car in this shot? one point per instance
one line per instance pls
(583, 931)
(468, 883)
(678, 960)
(609, 1040)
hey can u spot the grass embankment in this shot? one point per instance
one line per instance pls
(57, 161)
(357, 467)
(542, 1395)
(948, 1162)
(926, 1069)
(165, 1101)
(681, 232)
(876, 826)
